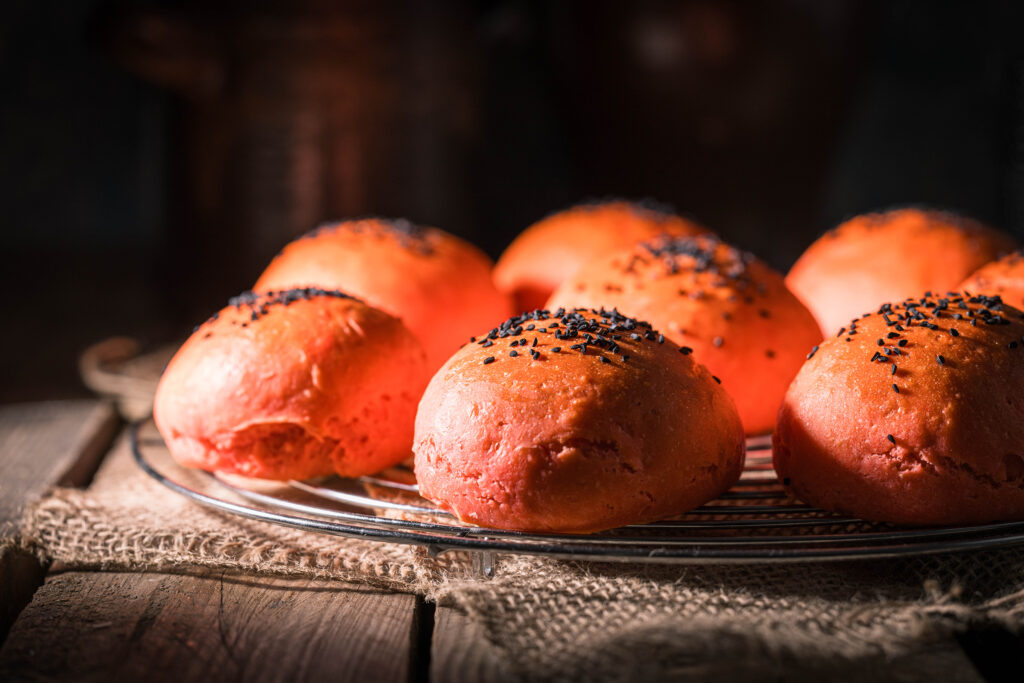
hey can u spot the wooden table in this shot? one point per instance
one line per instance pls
(61, 624)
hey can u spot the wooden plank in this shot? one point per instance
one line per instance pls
(42, 445)
(85, 626)
(45, 444)
(460, 652)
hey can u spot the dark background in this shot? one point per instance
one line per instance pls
(154, 156)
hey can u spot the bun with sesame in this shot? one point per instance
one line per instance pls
(889, 256)
(730, 308)
(552, 249)
(574, 422)
(293, 384)
(912, 415)
(1003, 278)
(413, 272)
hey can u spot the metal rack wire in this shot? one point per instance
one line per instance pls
(754, 522)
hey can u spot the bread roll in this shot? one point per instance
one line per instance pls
(1003, 278)
(730, 308)
(292, 384)
(914, 414)
(413, 272)
(552, 249)
(574, 422)
(889, 256)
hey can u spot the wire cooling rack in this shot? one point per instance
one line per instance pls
(754, 522)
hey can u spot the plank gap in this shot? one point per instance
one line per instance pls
(21, 575)
(422, 637)
(92, 451)
(993, 650)
(43, 445)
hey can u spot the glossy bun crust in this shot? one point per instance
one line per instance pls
(415, 273)
(552, 249)
(730, 308)
(1003, 278)
(613, 428)
(293, 384)
(941, 441)
(889, 256)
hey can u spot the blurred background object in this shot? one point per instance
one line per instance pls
(155, 155)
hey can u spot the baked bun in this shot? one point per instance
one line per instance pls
(293, 384)
(889, 256)
(574, 422)
(730, 308)
(549, 251)
(1003, 278)
(413, 272)
(912, 415)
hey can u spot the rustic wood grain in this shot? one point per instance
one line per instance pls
(42, 445)
(460, 652)
(85, 626)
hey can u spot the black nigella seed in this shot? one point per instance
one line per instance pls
(811, 354)
(1013, 345)
(604, 359)
(534, 342)
(891, 438)
(953, 331)
(661, 339)
(902, 342)
(472, 339)
(895, 388)
(716, 379)
(893, 369)
(881, 342)
(557, 349)
(892, 335)
(940, 359)
(488, 360)
(487, 343)
(685, 350)
(513, 353)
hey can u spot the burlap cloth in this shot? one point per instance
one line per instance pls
(557, 620)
